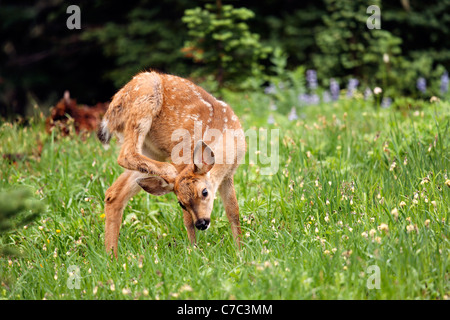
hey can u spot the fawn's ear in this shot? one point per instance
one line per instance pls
(155, 185)
(203, 158)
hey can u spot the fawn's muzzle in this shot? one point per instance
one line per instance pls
(202, 224)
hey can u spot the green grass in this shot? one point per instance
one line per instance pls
(310, 231)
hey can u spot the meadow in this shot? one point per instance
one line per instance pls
(358, 209)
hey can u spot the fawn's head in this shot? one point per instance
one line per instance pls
(192, 186)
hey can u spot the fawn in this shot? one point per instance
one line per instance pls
(148, 116)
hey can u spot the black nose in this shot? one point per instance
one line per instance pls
(202, 224)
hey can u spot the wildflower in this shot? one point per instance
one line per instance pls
(327, 252)
(372, 232)
(271, 119)
(293, 114)
(425, 180)
(58, 231)
(326, 97)
(386, 102)
(447, 183)
(314, 99)
(385, 58)
(273, 106)
(145, 292)
(185, 287)
(271, 89)
(421, 84)
(311, 78)
(347, 253)
(444, 82)
(126, 291)
(364, 234)
(383, 227)
(377, 90)
(102, 216)
(352, 84)
(434, 203)
(394, 211)
(434, 99)
(410, 228)
(334, 89)
(427, 223)
(393, 165)
(367, 93)
(377, 239)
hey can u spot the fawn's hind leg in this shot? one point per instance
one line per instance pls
(131, 153)
(116, 198)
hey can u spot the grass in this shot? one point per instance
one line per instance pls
(357, 187)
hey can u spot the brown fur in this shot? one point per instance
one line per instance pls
(85, 118)
(143, 115)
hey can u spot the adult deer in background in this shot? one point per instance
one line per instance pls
(149, 116)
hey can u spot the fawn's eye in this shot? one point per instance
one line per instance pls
(204, 193)
(181, 205)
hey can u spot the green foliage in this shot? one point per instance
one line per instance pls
(17, 208)
(310, 231)
(143, 41)
(221, 43)
(377, 57)
(41, 58)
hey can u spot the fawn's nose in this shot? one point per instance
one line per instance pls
(202, 224)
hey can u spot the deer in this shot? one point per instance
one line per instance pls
(149, 116)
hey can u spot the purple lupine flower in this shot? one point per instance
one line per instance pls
(444, 83)
(422, 84)
(326, 97)
(386, 102)
(303, 98)
(334, 89)
(311, 77)
(271, 89)
(367, 93)
(308, 99)
(314, 99)
(293, 114)
(352, 84)
(271, 119)
(273, 106)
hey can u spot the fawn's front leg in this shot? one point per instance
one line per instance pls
(189, 224)
(228, 195)
(116, 198)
